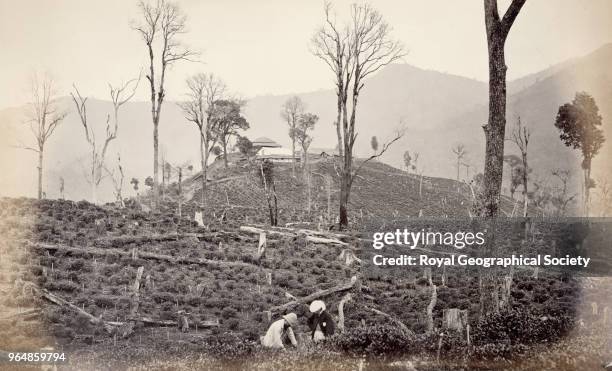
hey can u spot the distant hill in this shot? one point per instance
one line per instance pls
(537, 105)
(438, 110)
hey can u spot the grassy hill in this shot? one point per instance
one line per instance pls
(379, 190)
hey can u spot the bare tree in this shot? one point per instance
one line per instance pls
(520, 136)
(331, 44)
(180, 169)
(364, 47)
(205, 90)
(291, 111)
(560, 195)
(119, 96)
(117, 181)
(497, 31)
(460, 152)
(162, 23)
(43, 116)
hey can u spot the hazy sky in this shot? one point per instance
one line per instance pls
(261, 47)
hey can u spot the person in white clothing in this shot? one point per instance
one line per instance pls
(281, 332)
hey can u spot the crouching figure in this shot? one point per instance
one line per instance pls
(321, 322)
(281, 332)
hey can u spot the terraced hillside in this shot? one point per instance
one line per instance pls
(129, 284)
(69, 272)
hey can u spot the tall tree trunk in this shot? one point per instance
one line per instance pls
(497, 31)
(224, 141)
(587, 188)
(293, 153)
(155, 163)
(40, 172)
(180, 193)
(94, 193)
(203, 164)
(458, 166)
(345, 189)
(496, 127)
(348, 128)
(339, 124)
(525, 198)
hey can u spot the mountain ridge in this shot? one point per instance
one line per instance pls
(438, 109)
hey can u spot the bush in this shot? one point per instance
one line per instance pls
(376, 340)
(228, 312)
(232, 324)
(519, 326)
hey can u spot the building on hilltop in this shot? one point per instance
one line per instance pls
(277, 154)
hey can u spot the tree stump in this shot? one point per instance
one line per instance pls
(455, 319)
(261, 246)
(183, 322)
(346, 298)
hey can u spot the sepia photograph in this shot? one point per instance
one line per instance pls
(315, 185)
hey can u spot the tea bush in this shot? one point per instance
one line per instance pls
(375, 340)
(519, 326)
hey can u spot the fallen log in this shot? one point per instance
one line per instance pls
(111, 326)
(294, 233)
(108, 325)
(159, 322)
(319, 294)
(304, 231)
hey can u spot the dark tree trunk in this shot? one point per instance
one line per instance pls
(497, 30)
(587, 188)
(204, 169)
(40, 173)
(346, 183)
(348, 126)
(495, 129)
(180, 193)
(339, 123)
(225, 152)
(525, 195)
(293, 152)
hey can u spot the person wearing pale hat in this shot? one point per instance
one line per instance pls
(321, 322)
(280, 331)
